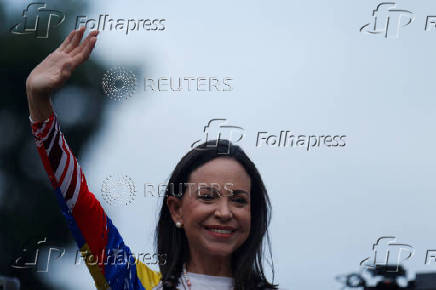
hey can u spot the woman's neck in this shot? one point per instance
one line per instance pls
(209, 265)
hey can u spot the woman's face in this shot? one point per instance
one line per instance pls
(218, 195)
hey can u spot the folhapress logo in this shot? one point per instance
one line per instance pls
(34, 255)
(387, 20)
(386, 251)
(38, 20)
(217, 129)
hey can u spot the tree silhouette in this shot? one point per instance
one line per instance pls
(28, 207)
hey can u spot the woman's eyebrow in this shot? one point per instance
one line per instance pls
(239, 191)
(209, 188)
(203, 186)
(232, 191)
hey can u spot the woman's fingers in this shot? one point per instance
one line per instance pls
(67, 40)
(75, 40)
(84, 43)
(86, 49)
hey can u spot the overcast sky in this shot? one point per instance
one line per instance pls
(301, 66)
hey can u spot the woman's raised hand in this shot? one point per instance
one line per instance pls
(55, 70)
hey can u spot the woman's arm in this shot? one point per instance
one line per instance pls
(109, 261)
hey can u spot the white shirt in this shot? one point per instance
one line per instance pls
(202, 282)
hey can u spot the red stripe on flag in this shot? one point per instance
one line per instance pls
(88, 209)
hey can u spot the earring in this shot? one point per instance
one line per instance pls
(178, 224)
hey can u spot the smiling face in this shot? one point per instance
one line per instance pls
(218, 196)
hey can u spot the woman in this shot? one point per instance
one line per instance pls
(214, 215)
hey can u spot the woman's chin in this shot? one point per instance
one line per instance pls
(219, 250)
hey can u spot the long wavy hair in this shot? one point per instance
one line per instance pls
(246, 261)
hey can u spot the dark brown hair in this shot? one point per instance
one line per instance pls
(247, 268)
